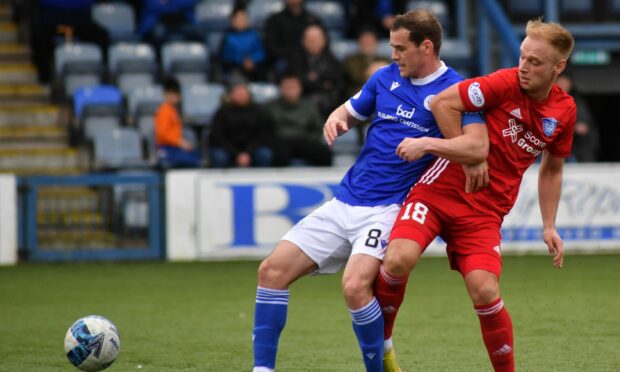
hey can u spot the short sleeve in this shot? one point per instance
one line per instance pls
(362, 105)
(472, 118)
(563, 143)
(484, 92)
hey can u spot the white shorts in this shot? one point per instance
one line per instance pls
(336, 230)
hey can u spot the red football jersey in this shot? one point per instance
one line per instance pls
(519, 127)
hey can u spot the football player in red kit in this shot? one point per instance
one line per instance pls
(527, 115)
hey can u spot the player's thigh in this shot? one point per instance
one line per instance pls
(284, 265)
(416, 226)
(323, 237)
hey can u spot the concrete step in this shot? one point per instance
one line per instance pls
(40, 158)
(28, 114)
(23, 135)
(8, 32)
(14, 52)
(76, 238)
(26, 92)
(18, 73)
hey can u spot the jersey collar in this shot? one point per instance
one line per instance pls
(425, 80)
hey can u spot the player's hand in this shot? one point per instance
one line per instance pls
(411, 149)
(476, 176)
(333, 128)
(555, 246)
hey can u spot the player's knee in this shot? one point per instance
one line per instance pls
(271, 275)
(356, 291)
(400, 259)
(485, 293)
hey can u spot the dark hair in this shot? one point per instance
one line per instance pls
(422, 25)
(288, 75)
(171, 85)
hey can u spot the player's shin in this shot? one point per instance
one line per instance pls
(269, 320)
(390, 292)
(496, 327)
(368, 327)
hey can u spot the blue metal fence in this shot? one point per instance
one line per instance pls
(91, 217)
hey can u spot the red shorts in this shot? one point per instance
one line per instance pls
(473, 237)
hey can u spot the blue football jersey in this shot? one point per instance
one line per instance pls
(401, 109)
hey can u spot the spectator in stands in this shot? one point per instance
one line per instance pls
(283, 33)
(173, 150)
(356, 64)
(48, 17)
(162, 20)
(586, 138)
(320, 72)
(298, 126)
(242, 48)
(241, 133)
(378, 14)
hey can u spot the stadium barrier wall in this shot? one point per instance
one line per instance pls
(224, 214)
(8, 219)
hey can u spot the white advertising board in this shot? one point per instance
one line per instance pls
(215, 214)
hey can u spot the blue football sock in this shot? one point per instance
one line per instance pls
(269, 320)
(368, 327)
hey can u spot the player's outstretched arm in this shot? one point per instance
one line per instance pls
(338, 122)
(470, 148)
(549, 190)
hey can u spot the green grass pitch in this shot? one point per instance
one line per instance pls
(199, 316)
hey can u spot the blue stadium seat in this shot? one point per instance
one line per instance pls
(117, 149)
(96, 108)
(263, 92)
(526, 9)
(77, 65)
(577, 10)
(213, 15)
(260, 10)
(343, 48)
(132, 66)
(187, 61)
(330, 12)
(437, 7)
(117, 18)
(200, 102)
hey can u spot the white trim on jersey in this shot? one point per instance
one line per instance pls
(354, 113)
(434, 172)
(425, 80)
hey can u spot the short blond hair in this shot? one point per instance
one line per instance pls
(559, 37)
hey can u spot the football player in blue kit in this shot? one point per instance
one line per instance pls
(354, 226)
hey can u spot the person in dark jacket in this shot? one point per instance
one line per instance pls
(283, 33)
(321, 74)
(241, 133)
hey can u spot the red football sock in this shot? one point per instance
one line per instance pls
(497, 334)
(390, 292)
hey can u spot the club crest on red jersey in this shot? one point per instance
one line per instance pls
(549, 125)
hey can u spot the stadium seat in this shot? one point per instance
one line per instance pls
(384, 49)
(117, 149)
(331, 14)
(132, 66)
(343, 48)
(187, 61)
(259, 11)
(345, 149)
(117, 18)
(577, 10)
(437, 7)
(97, 107)
(144, 101)
(77, 65)
(200, 102)
(263, 92)
(214, 41)
(524, 9)
(213, 15)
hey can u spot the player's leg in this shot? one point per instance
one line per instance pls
(286, 264)
(495, 322)
(357, 281)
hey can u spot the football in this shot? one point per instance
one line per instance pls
(92, 343)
